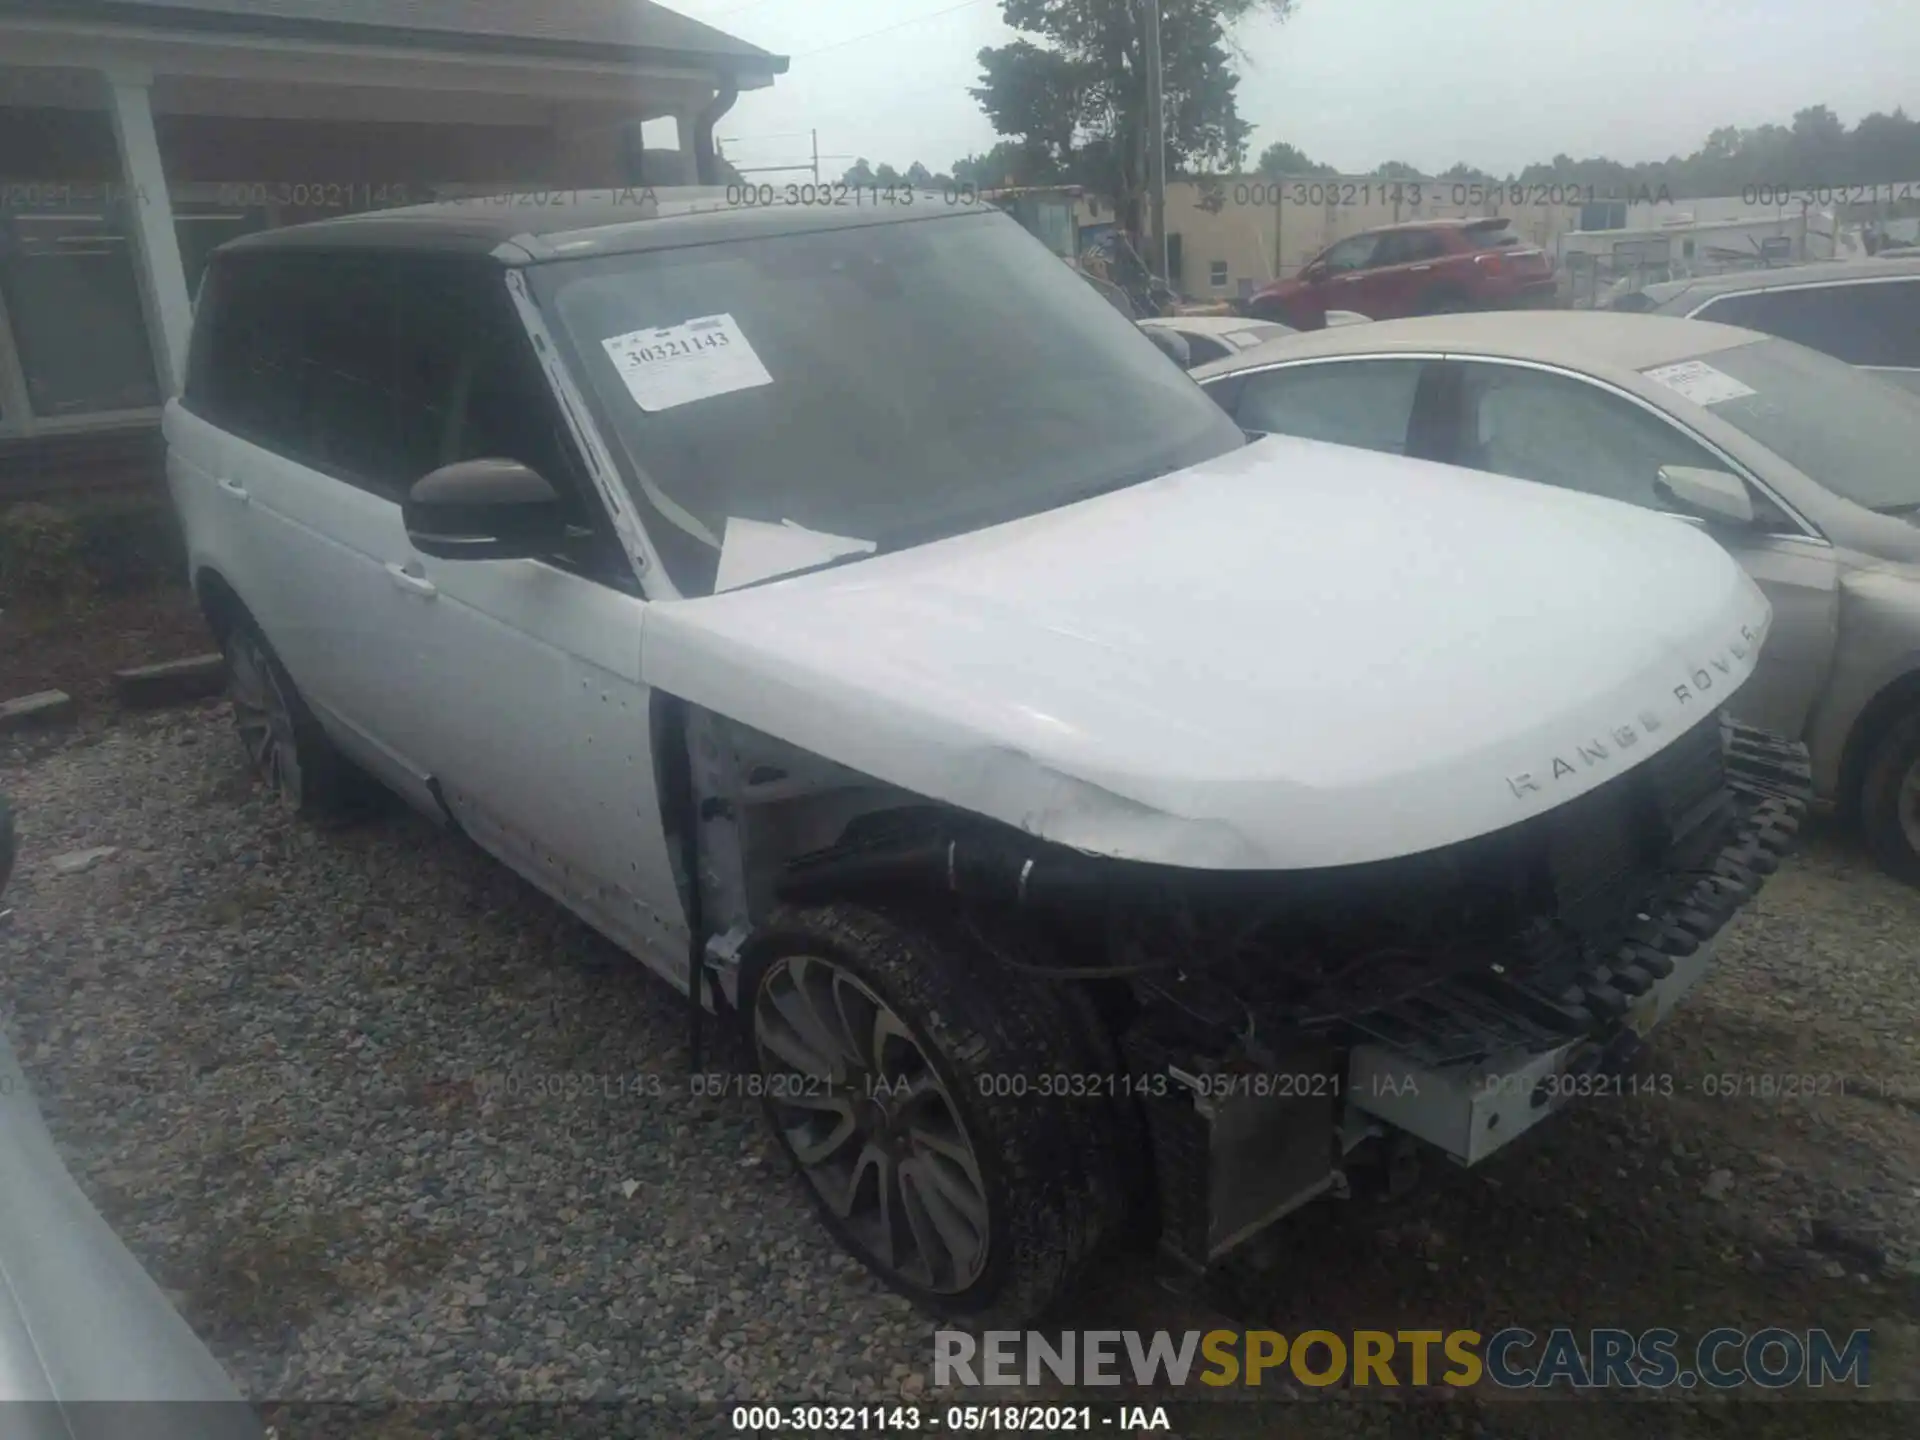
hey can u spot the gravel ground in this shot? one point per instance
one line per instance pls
(390, 1124)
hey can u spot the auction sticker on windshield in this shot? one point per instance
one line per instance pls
(678, 364)
(1698, 381)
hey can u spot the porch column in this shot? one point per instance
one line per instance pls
(163, 279)
(684, 123)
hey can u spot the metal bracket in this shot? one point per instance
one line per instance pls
(723, 959)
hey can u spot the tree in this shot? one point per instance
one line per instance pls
(860, 175)
(1396, 170)
(919, 177)
(1075, 95)
(1011, 162)
(887, 176)
(1281, 161)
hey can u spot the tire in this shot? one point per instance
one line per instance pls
(285, 747)
(996, 1202)
(1889, 800)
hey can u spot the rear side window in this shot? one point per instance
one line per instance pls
(244, 367)
(1365, 403)
(1872, 323)
(373, 369)
(1404, 247)
(350, 421)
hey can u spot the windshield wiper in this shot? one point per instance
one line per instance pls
(847, 559)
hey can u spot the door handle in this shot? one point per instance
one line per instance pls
(234, 490)
(1423, 267)
(416, 584)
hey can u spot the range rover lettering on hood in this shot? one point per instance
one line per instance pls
(1222, 669)
(1722, 671)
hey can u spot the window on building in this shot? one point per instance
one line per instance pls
(73, 303)
(1217, 274)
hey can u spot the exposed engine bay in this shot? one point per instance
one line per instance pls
(1302, 1013)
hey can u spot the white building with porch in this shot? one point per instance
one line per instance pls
(135, 135)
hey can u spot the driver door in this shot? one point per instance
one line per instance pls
(542, 738)
(1349, 273)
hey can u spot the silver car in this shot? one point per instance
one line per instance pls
(89, 1345)
(1807, 470)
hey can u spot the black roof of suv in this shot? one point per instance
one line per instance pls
(550, 225)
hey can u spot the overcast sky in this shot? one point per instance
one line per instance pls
(1355, 82)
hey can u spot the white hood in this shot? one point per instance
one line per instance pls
(1293, 656)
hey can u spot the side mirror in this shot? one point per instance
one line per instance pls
(484, 510)
(1314, 273)
(1708, 494)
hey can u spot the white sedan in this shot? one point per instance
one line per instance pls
(1217, 337)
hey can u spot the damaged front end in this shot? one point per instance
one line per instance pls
(1272, 1021)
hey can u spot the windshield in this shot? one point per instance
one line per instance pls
(866, 388)
(1847, 429)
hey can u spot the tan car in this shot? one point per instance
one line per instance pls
(1806, 469)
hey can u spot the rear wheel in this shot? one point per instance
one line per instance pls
(1890, 800)
(285, 746)
(903, 1072)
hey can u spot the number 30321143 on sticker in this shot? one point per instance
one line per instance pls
(673, 365)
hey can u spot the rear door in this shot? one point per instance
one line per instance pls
(307, 461)
(1402, 274)
(1871, 322)
(1566, 430)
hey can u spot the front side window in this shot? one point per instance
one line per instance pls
(1352, 254)
(1559, 430)
(1365, 403)
(885, 384)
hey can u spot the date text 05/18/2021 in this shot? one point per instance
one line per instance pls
(916, 1419)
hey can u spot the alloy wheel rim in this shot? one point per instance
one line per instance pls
(875, 1130)
(264, 719)
(1908, 806)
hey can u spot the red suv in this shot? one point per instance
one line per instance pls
(1430, 267)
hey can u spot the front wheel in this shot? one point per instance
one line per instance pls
(902, 1071)
(1890, 800)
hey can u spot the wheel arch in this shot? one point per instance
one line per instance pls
(219, 602)
(1894, 701)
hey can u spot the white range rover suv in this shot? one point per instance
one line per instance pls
(1102, 827)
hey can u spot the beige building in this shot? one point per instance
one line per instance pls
(1229, 236)
(137, 134)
